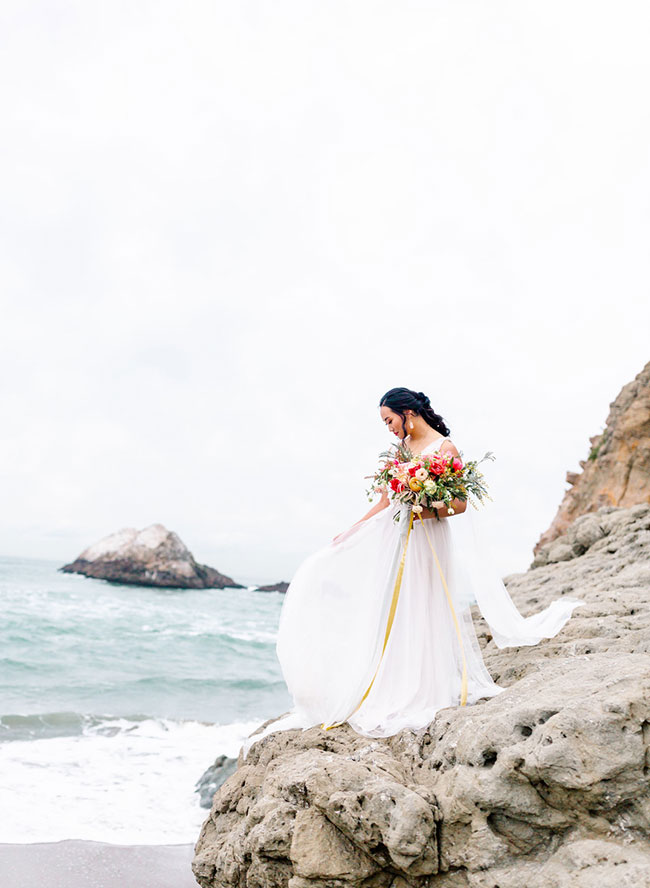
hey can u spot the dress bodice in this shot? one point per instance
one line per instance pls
(437, 443)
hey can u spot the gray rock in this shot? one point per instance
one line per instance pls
(560, 550)
(282, 586)
(212, 778)
(153, 556)
(546, 784)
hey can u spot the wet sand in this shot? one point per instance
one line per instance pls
(74, 863)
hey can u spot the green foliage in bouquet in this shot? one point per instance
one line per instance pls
(423, 479)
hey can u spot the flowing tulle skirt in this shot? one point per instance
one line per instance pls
(332, 642)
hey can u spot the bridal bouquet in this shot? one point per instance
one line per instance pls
(426, 480)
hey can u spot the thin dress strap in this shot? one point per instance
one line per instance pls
(439, 442)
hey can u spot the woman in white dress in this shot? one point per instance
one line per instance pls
(355, 649)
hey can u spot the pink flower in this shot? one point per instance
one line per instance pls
(457, 465)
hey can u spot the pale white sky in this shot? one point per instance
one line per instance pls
(228, 228)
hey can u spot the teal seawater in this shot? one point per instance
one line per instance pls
(75, 650)
(114, 699)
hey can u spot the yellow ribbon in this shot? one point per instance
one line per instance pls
(391, 617)
(463, 684)
(389, 626)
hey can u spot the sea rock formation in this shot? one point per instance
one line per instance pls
(153, 556)
(546, 785)
(282, 586)
(617, 470)
(212, 778)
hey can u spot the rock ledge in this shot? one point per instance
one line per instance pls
(546, 784)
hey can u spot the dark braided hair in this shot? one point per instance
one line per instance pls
(401, 399)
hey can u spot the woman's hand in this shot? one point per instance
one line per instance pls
(441, 510)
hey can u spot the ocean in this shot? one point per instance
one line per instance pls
(114, 699)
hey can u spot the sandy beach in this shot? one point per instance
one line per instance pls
(81, 864)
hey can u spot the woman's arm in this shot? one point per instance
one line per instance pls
(457, 505)
(383, 503)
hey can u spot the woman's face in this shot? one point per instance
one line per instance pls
(393, 421)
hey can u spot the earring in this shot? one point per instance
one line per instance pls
(410, 425)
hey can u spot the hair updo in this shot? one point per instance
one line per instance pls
(399, 400)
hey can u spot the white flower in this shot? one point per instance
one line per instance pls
(422, 474)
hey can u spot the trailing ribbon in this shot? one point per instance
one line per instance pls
(391, 617)
(389, 625)
(463, 684)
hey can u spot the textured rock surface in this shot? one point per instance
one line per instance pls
(154, 556)
(546, 784)
(617, 470)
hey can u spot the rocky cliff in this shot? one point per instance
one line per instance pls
(617, 469)
(546, 784)
(153, 556)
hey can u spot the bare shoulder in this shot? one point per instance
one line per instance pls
(449, 447)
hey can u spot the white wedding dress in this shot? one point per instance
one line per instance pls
(336, 610)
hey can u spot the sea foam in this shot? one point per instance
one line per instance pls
(114, 780)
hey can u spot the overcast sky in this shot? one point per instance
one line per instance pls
(228, 228)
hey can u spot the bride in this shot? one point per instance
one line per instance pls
(376, 629)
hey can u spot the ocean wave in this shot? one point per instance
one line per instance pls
(255, 636)
(129, 780)
(114, 701)
(55, 724)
